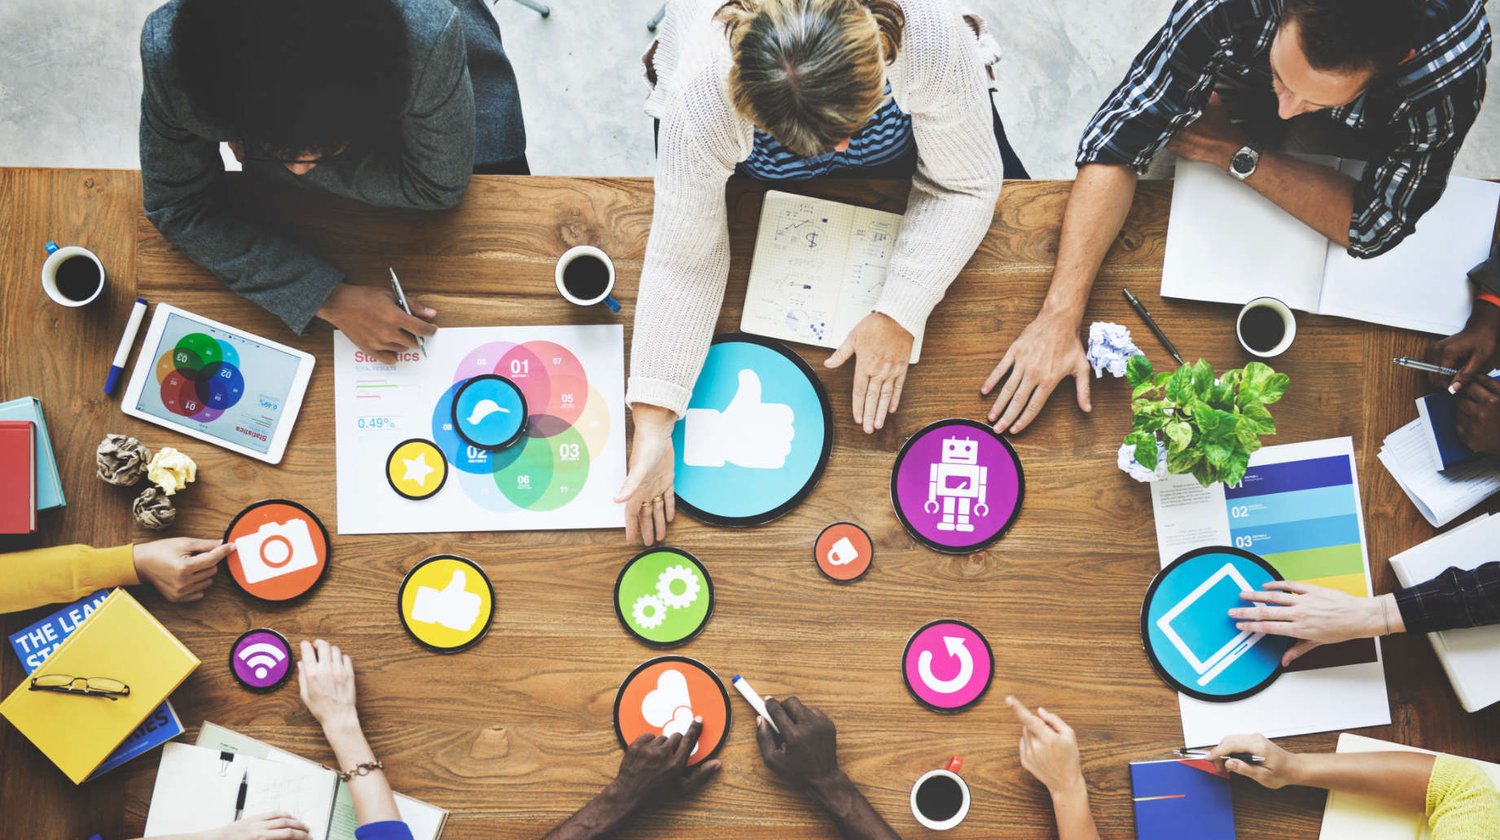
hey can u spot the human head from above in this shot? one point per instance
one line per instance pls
(811, 73)
(295, 81)
(1328, 52)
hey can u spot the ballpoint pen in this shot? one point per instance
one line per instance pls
(239, 802)
(401, 299)
(1135, 304)
(1425, 367)
(1248, 758)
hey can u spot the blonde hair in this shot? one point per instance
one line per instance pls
(810, 73)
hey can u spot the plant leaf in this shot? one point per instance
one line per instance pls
(1204, 473)
(1179, 434)
(1221, 396)
(1275, 386)
(1138, 370)
(1145, 448)
(1256, 374)
(1183, 461)
(1180, 386)
(1203, 378)
(1258, 419)
(1235, 473)
(1142, 389)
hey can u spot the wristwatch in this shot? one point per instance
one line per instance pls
(1243, 164)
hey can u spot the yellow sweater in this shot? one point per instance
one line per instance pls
(1462, 803)
(64, 573)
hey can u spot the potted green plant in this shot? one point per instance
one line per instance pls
(1198, 423)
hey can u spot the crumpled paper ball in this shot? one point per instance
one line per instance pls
(171, 470)
(121, 460)
(153, 509)
(1128, 464)
(1110, 348)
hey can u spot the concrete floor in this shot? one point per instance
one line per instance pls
(70, 81)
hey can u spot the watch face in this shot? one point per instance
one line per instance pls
(1243, 162)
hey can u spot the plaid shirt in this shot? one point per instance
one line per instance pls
(1421, 113)
(1454, 598)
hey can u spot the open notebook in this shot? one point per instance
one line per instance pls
(1228, 244)
(1348, 816)
(818, 269)
(197, 789)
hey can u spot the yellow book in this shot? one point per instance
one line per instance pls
(122, 642)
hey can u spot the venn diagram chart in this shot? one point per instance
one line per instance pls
(487, 429)
(200, 377)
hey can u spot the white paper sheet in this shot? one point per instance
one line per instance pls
(567, 469)
(1439, 496)
(196, 791)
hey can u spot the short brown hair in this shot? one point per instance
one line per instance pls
(1355, 35)
(810, 73)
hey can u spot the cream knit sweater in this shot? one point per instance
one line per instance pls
(938, 78)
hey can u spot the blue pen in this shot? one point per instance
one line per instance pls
(132, 326)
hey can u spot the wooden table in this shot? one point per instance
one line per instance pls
(515, 734)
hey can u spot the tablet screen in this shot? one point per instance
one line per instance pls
(225, 386)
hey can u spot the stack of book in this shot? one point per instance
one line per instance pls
(28, 470)
(1440, 475)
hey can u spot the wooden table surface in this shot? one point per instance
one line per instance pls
(516, 733)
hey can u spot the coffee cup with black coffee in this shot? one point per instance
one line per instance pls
(72, 276)
(1265, 327)
(585, 276)
(940, 798)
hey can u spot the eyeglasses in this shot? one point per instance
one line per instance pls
(105, 687)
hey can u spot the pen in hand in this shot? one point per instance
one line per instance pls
(1248, 758)
(239, 802)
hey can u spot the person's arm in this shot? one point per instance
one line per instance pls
(1396, 777)
(1049, 751)
(1478, 414)
(325, 680)
(1462, 803)
(653, 772)
(1475, 350)
(1316, 615)
(805, 753)
(276, 825)
(180, 568)
(1455, 598)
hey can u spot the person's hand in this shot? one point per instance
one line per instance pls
(1474, 351)
(373, 320)
(1211, 138)
(325, 679)
(806, 751)
(1316, 615)
(1279, 770)
(276, 825)
(882, 351)
(180, 568)
(647, 491)
(1049, 749)
(654, 770)
(1041, 356)
(1479, 415)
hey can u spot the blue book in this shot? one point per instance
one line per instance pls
(35, 643)
(1180, 798)
(1439, 414)
(49, 491)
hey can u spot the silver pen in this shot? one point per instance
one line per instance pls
(401, 299)
(1245, 757)
(1425, 367)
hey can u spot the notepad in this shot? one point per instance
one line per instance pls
(818, 269)
(119, 641)
(425, 821)
(1440, 495)
(1470, 656)
(1228, 244)
(197, 790)
(1179, 798)
(1348, 816)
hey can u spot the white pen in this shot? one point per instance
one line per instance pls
(132, 326)
(401, 299)
(754, 700)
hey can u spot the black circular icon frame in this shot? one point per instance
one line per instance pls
(785, 507)
(401, 596)
(1161, 671)
(447, 468)
(520, 427)
(989, 651)
(707, 579)
(322, 529)
(693, 663)
(868, 565)
(291, 663)
(922, 538)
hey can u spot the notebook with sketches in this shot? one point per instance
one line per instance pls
(1228, 244)
(818, 269)
(1348, 816)
(425, 821)
(1470, 656)
(197, 789)
(1440, 495)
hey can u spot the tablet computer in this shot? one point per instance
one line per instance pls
(218, 384)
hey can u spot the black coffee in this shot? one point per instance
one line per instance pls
(939, 798)
(77, 278)
(1262, 328)
(586, 277)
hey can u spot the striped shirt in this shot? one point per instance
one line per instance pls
(1419, 114)
(883, 139)
(1455, 598)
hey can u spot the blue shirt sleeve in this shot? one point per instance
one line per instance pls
(386, 830)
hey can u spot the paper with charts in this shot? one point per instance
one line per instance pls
(1298, 508)
(563, 473)
(818, 269)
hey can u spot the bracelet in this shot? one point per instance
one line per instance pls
(364, 769)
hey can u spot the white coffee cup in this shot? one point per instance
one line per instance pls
(1288, 324)
(568, 258)
(842, 553)
(57, 256)
(952, 821)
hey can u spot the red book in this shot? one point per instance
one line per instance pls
(17, 477)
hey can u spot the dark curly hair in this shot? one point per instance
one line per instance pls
(295, 75)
